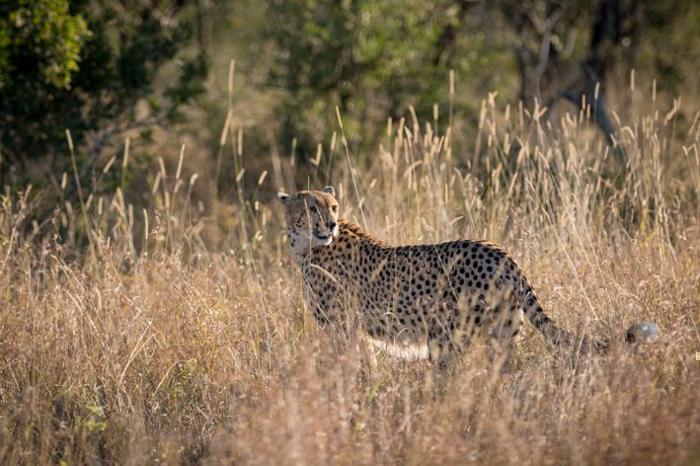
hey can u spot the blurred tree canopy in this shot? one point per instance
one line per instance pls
(374, 58)
(41, 37)
(84, 66)
(105, 68)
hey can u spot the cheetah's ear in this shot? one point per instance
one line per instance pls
(283, 197)
(329, 190)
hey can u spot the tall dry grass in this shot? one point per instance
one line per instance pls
(178, 334)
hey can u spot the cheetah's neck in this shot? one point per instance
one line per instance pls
(348, 233)
(357, 232)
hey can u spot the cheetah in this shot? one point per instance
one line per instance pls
(423, 300)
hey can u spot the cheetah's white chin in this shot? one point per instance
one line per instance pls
(322, 240)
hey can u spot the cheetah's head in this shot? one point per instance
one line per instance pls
(312, 218)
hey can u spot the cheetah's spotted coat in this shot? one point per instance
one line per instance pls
(430, 297)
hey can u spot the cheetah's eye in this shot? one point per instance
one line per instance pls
(334, 208)
(313, 209)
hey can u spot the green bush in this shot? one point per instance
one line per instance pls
(84, 66)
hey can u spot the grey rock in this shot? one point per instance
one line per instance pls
(642, 332)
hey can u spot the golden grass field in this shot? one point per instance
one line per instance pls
(178, 333)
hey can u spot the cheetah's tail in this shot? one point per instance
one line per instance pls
(641, 332)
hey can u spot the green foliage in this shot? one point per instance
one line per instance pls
(671, 51)
(374, 59)
(86, 66)
(367, 58)
(95, 420)
(42, 38)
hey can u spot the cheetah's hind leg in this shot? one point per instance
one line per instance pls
(503, 318)
(445, 347)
